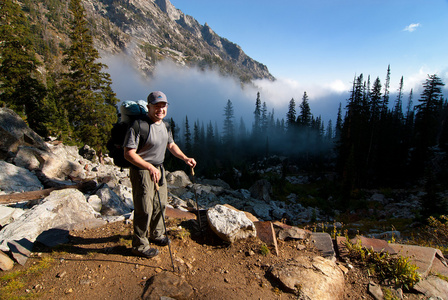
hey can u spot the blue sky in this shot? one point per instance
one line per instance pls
(313, 46)
(330, 40)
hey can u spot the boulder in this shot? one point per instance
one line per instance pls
(61, 209)
(14, 132)
(60, 163)
(111, 203)
(9, 214)
(17, 179)
(95, 202)
(177, 179)
(261, 190)
(229, 224)
(310, 278)
(167, 285)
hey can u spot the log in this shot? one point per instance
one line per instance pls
(35, 195)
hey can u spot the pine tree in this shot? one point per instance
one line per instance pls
(338, 126)
(398, 107)
(427, 124)
(291, 115)
(242, 132)
(196, 139)
(257, 117)
(375, 101)
(305, 116)
(20, 86)
(264, 119)
(86, 90)
(228, 128)
(187, 137)
(428, 111)
(329, 132)
(385, 102)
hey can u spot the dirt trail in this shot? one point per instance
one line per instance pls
(98, 264)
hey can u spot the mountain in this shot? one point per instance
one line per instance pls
(147, 31)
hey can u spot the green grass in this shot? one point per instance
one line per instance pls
(12, 283)
(264, 250)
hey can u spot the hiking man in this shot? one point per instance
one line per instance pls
(147, 171)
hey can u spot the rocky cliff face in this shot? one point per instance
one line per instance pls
(152, 30)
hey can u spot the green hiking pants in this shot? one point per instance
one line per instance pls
(148, 214)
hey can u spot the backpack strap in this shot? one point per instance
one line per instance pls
(143, 129)
(144, 134)
(141, 126)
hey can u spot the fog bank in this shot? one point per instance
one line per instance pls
(203, 95)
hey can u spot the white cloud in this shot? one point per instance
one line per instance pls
(411, 27)
(202, 95)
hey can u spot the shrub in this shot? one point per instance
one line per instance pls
(388, 268)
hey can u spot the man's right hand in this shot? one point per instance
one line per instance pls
(154, 173)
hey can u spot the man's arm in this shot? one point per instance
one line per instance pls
(175, 150)
(135, 159)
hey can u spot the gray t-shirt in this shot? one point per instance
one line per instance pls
(155, 147)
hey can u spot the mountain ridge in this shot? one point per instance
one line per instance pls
(147, 32)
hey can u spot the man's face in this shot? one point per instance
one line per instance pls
(157, 111)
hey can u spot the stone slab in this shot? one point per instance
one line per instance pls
(323, 242)
(376, 244)
(341, 248)
(422, 257)
(179, 214)
(266, 233)
(433, 287)
(440, 264)
(281, 225)
(21, 250)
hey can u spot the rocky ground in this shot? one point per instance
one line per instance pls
(98, 264)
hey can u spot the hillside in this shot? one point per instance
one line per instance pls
(145, 31)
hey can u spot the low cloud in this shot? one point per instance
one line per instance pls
(202, 95)
(411, 27)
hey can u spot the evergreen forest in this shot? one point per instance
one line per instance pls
(377, 141)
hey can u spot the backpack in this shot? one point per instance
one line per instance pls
(132, 113)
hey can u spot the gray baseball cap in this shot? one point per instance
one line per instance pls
(157, 97)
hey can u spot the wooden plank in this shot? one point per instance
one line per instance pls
(35, 195)
(266, 233)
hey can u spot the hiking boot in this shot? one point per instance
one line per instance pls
(162, 240)
(148, 253)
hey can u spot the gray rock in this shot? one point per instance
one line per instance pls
(95, 202)
(61, 209)
(261, 190)
(9, 214)
(229, 224)
(125, 194)
(14, 132)
(375, 290)
(111, 203)
(62, 162)
(17, 179)
(292, 233)
(28, 157)
(177, 179)
(323, 242)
